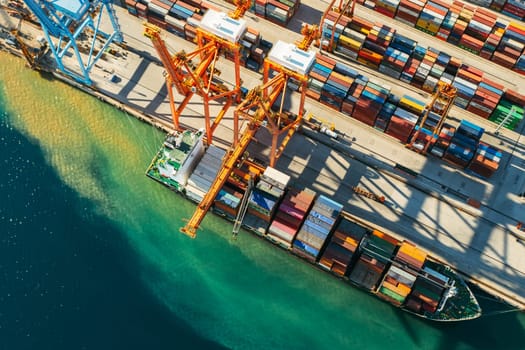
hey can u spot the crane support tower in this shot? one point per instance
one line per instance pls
(261, 105)
(76, 25)
(292, 64)
(195, 72)
(284, 62)
(430, 125)
(329, 27)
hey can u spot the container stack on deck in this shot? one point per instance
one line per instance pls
(397, 285)
(290, 216)
(204, 174)
(398, 282)
(378, 249)
(339, 253)
(427, 291)
(316, 228)
(228, 200)
(264, 199)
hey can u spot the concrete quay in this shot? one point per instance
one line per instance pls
(427, 206)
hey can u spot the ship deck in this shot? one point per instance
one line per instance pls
(427, 205)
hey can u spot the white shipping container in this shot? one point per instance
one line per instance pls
(192, 21)
(513, 44)
(157, 9)
(408, 12)
(417, 2)
(466, 83)
(479, 26)
(177, 23)
(277, 176)
(352, 34)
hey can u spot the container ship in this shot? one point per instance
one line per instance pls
(317, 230)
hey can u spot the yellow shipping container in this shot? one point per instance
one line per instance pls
(349, 43)
(517, 25)
(427, 25)
(413, 251)
(400, 288)
(404, 102)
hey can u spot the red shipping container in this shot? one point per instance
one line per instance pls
(515, 97)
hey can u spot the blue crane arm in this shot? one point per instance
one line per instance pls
(46, 22)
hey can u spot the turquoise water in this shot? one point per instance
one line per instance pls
(91, 256)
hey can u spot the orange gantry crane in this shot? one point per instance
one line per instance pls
(433, 118)
(263, 107)
(195, 72)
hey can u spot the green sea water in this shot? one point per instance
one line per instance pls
(91, 256)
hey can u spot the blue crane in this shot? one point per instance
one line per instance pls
(68, 23)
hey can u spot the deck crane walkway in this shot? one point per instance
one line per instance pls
(429, 128)
(216, 32)
(287, 61)
(66, 23)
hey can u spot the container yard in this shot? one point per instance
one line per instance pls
(445, 169)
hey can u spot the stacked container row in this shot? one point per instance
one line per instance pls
(377, 250)
(204, 174)
(396, 285)
(404, 59)
(277, 11)
(463, 144)
(316, 228)
(473, 28)
(486, 160)
(290, 216)
(343, 246)
(264, 199)
(427, 291)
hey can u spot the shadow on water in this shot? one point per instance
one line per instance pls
(69, 278)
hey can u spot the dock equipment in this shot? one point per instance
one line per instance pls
(285, 61)
(195, 72)
(433, 118)
(76, 25)
(243, 207)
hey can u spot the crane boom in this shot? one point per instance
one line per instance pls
(153, 33)
(241, 7)
(254, 97)
(310, 33)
